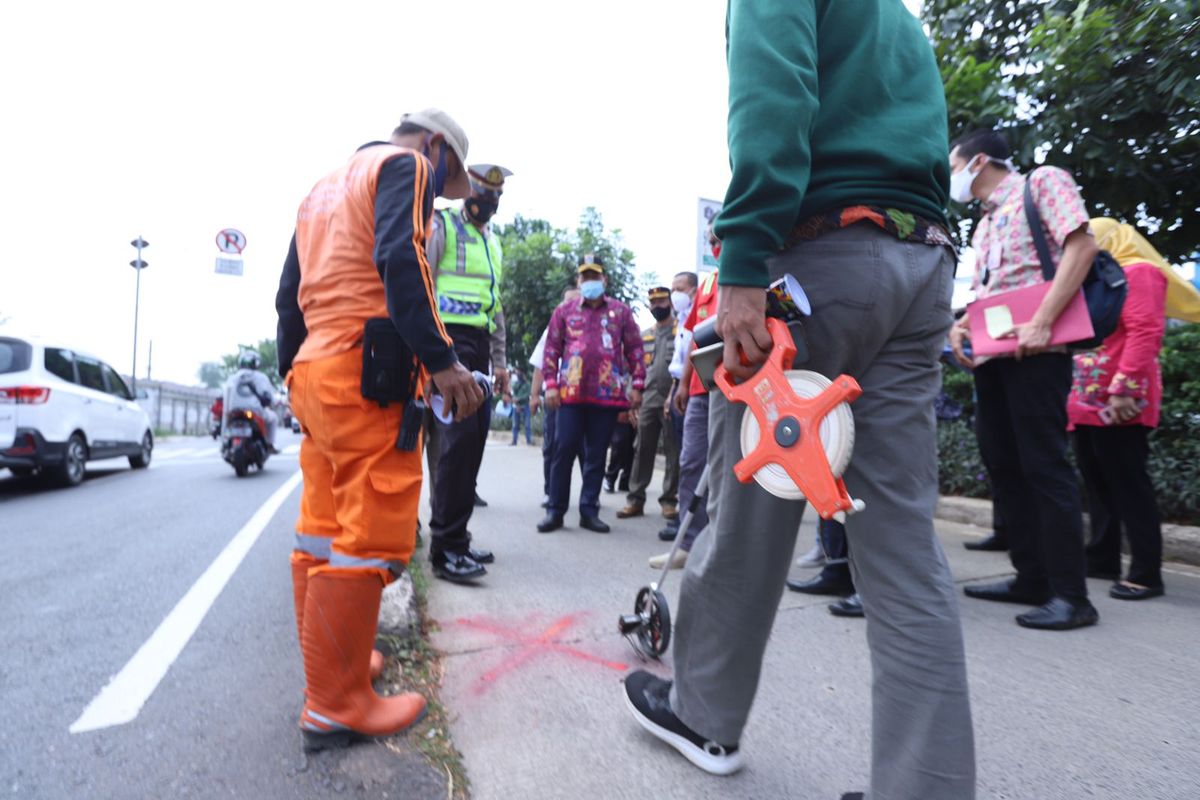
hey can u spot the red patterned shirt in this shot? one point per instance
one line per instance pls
(590, 352)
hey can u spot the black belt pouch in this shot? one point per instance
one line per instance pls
(390, 368)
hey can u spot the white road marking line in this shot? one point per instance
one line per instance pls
(122, 699)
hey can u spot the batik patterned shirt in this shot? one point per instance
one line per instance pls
(591, 352)
(903, 225)
(1006, 257)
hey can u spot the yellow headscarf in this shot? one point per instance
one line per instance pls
(1130, 247)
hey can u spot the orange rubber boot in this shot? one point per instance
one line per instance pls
(340, 613)
(301, 564)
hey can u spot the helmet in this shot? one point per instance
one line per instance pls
(248, 360)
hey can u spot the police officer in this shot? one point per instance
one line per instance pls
(358, 254)
(658, 343)
(469, 267)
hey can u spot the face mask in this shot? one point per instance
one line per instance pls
(660, 312)
(681, 302)
(481, 209)
(592, 290)
(439, 172)
(960, 184)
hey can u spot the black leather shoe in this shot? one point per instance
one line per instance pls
(848, 607)
(457, 567)
(991, 543)
(609, 486)
(669, 531)
(482, 556)
(594, 524)
(1120, 591)
(479, 501)
(552, 522)
(1060, 614)
(852, 796)
(1004, 592)
(825, 582)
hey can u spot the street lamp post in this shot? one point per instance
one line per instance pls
(138, 264)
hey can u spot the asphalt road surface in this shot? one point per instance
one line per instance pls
(108, 579)
(1106, 713)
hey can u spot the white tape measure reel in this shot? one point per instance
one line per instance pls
(837, 436)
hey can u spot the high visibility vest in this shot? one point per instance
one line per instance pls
(340, 286)
(468, 276)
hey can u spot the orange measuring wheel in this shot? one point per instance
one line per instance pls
(798, 436)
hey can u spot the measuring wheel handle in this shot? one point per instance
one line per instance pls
(791, 426)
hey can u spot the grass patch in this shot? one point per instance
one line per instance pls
(416, 666)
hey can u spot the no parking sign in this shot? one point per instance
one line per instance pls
(231, 242)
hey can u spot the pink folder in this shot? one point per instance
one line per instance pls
(990, 317)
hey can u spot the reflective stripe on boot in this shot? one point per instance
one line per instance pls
(340, 614)
(301, 563)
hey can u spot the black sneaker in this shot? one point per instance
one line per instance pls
(648, 697)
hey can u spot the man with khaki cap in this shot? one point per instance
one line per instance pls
(359, 333)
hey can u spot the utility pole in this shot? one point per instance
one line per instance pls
(150, 361)
(138, 264)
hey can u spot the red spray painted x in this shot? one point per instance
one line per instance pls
(531, 646)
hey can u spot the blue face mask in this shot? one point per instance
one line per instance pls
(439, 172)
(592, 290)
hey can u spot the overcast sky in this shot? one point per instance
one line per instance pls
(173, 121)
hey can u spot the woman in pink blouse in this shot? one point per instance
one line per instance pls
(1113, 406)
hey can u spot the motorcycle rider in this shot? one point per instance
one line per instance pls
(250, 389)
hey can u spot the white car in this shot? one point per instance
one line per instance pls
(60, 408)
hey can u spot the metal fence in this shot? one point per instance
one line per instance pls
(175, 408)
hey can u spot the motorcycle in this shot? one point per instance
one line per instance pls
(244, 441)
(214, 428)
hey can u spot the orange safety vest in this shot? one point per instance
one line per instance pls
(340, 286)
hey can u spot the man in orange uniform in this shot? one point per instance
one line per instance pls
(359, 254)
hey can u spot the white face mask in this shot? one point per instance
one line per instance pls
(960, 183)
(682, 302)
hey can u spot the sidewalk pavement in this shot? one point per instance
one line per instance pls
(533, 665)
(1180, 542)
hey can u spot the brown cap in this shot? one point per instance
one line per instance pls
(659, 293)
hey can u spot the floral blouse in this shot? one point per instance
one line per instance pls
(1126, 364)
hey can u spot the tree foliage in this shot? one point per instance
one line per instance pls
(540, 261)
(1107, 89)
(213, 373)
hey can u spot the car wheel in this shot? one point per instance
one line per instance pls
(142, 459)
(74, 464)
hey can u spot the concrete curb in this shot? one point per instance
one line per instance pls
(398, 613)
(1180, 542)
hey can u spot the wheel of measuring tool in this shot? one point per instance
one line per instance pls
(837, 436)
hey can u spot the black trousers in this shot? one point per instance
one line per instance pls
(582, 429)
(832, 535)
(459, 454)
(1021, 423)
(1113, 464)
(620, 459)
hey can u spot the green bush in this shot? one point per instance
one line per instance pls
(1174, 446)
